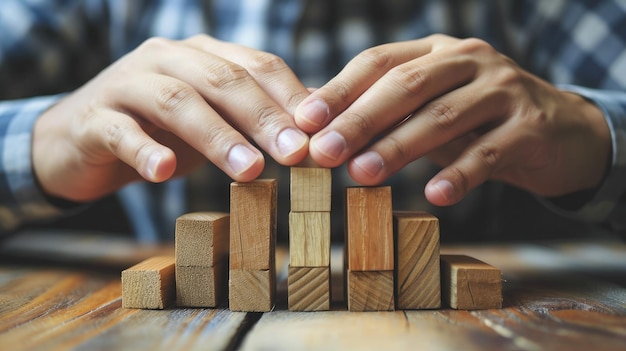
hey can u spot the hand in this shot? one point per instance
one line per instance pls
(164, 109)
(465, 106)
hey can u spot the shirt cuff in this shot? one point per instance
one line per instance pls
(603, 204)
(21, 198)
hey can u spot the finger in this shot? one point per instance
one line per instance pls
(389, 100)
(451, 117)
(177, 107)
(358, 75)
(269, 70)
(491, 153)
(238, 98)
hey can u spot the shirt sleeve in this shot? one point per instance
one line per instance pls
(20, 197)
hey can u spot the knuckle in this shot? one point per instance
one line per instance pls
(411, 79)
(216, 136)
(224, 75)
(487, 154)
(172, 97)
(475, 45)
(158, 44)
(443, 115)
(462, 179)
(339, 90)
(359, 122)
(377, 57)
(263, 63)
(267, 117)
(399, 150)
(293, 100)
(114, 134)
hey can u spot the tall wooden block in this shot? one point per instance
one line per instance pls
(370, 291)
(149, 284)
(470, 284)
(202, 239)
(369, 229)
(308, 288)
(418, 282)
(251, 291)
(201, 286)
(309, 239)
(310, 189)
(253, 224)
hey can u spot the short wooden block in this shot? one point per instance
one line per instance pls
(149, 284)
(310, 189)
(202, 239)
(201, 286)
(470, 284)
(253, 224)
(370, 291)
(308, 288)
(309, 239)
(251, 291)
(369, 229)
(418, 282)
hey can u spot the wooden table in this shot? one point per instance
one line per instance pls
(559, 296)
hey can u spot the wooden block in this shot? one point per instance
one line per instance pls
(310, 189)
(201, 286)
(251, 291)
(308, 288)
(369, 229)
(253, 224)
(370, 291)
(202, 239)
(149, 284)
(470, 284)
(418, 283)
(309, 239)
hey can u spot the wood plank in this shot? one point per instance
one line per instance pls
(369, 229)
(309, 239)
(201, 286)
(370, 291)
(310, 189)
(253, 224)
(251, 291)
(418, 282)
(149, 284)
(308, 288)
(202, 239)
(468, 283)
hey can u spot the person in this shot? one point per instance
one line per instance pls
(520, 105)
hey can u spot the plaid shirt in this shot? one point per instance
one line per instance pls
(50, 47)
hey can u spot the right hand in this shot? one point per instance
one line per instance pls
(165, 108)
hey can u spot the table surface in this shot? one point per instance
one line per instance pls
(557, 296)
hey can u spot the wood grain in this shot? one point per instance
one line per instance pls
(310, 189)
(308, 288)
(369, 229)
(201, 286)
(309, 239)
(370, 291)
(253, 224)
(149, 284)
(418, 284)
(470, 284)
(202, 239)
(251, 291)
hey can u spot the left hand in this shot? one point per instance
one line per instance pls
(470, 109)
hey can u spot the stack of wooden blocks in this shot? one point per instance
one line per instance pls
(391, 259)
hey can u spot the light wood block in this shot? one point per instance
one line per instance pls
(201, 286)
(369, 229)
(251, 291)
(309, 239)
(470, 284)
(310, 189)
(253, 224)
(308, 288)
(149, 284)
(370, 291)
(418, 282)
(202, 239)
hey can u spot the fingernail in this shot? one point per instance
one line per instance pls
(315, 112)
(289, 141)
(331, 144)
(370, 162)
(153, 164)
(241, 158)
(445, 188)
